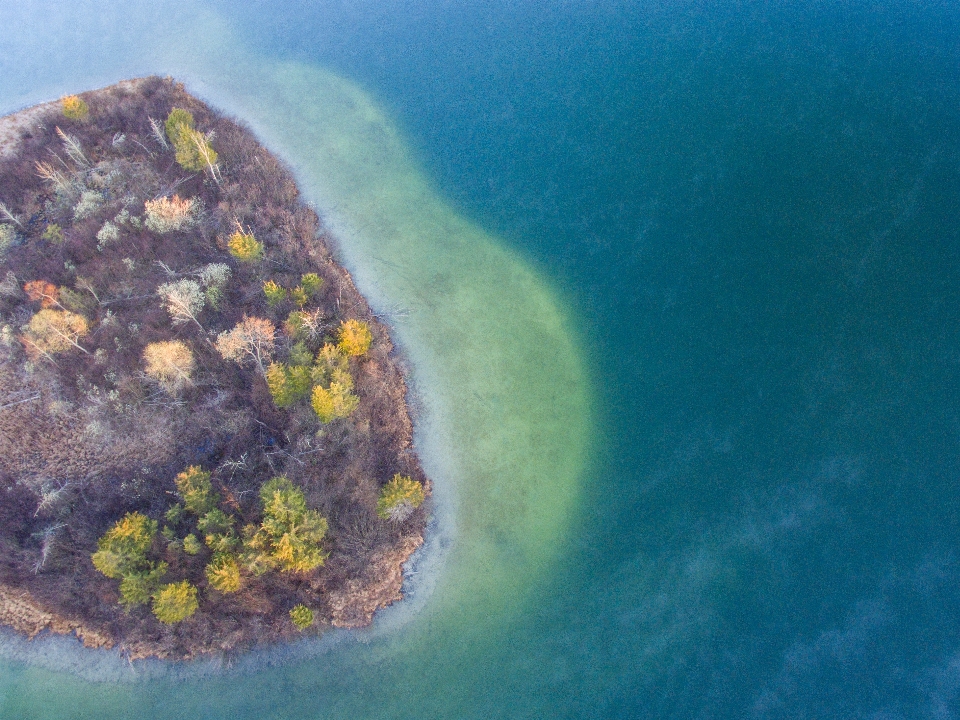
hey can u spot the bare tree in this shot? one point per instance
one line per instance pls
(252, 340)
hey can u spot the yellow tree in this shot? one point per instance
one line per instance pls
(399, 498)
(175, 602)
(54, 331)
(355, 337)
(290, 534)
(170, 363)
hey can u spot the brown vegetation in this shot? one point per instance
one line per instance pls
(140, 303)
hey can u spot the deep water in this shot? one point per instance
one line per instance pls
(680, 287)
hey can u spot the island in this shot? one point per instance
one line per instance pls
(205, 441)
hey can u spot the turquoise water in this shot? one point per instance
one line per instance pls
(680, 288)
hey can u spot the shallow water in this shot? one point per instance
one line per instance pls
(678, 284)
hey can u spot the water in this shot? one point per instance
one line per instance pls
(679, 286)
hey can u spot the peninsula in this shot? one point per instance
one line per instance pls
(205, 444)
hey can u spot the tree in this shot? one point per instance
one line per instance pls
(304, 325)
(223, 573)
(355, 337)
(252, 339)
(167, 214)
(195, 488)
(54, 331)
(290, 534)
(170, 363)
(136, 588)
(245, 247)
(311, 283)
(399, 497)
(288, 384)
(184, 300)
(74, 108)
(175, 602)
(274, 292)
(333, 402)
(301, 616)
(45, 292)
(192, 148)
(123, 548)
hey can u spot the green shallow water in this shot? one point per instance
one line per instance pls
(501, 395)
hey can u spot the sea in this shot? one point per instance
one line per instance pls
(677, 286)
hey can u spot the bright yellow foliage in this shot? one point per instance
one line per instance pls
(334, 402)
(245, 247)
(74, 108)
(175, 602)
(355, 337)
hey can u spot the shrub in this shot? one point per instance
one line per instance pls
(355, 337)
(53, 233)
(288, 384)
(223, 574)
(54, 331)
(170, 363)
(90, 201)
(74, 108)
(167, 214)
(214, 278)
(245, 247)
(275, 293)
(175, 602)
(399, 498)
(290, 534)
(123, 548)
(195, 488)
(333, 402)
(301, 616)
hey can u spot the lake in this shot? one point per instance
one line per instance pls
(678, 284)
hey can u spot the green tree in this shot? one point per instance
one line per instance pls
(195, 488)
(274, 292)
(301, 616)
(123, 548)
(223, 573)
(290, 534)
(192, 149)
(74, 108)
(175, 602)
(288, 384)
(311, 283)
(399, 498)
(138, 587)
(333, 402)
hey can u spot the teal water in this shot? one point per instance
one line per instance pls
(679, 287)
